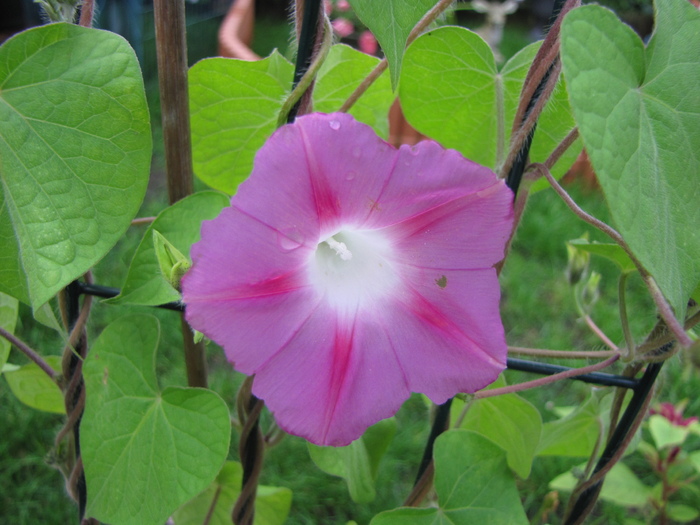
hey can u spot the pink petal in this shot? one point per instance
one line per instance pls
(334, 379)
(322, 173)
(242, 300)
(448, 330)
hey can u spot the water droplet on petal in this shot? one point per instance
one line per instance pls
(356, 152)
(350, 175)
(290, 239)
(334, 124)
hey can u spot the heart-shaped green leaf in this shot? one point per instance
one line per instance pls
(638, 111)
(145, 452)
(610, 251)
(576, 434)
(621, 486)
(391, 21)
(74, 156)
(473, 484)
(34, 388)
(234, 106)
(358, 462)
(452, 91)
(272, 504)
(511, 422)
(180, 225)
(340, 74)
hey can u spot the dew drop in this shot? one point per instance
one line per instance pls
(334, 124)
(356, 152)
(289, 240)
(350, 175)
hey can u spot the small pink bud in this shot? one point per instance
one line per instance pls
(343, 27)
(367, 43)
(343, 5)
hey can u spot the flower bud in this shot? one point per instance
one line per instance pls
(577, 267)
(590, 292)
(173, 264)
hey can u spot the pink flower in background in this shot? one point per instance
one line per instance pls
(327, 7)
(343, 5)
(347, 274)
(673, 414)
(343, 27)
(367, 43)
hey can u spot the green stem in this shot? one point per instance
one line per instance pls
(562, 354)
(31, 354)
(629, 340)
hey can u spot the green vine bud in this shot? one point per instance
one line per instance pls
(590, 292)
(173, 264)
(59, 10)
(577, 267)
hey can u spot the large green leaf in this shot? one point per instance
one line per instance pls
(75, 150)
(180, 224)
(576, 434)
(638, 111)
(612, 252)
(8, 318)
(34, 388)
(511, 422)
(272, 504)
(234, 106)
(358, 462)
(340, 74)
(391, 21)
(621, 486)
(452, 91)
(473, 484)
(145, 451)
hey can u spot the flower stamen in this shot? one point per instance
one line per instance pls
(340, 248)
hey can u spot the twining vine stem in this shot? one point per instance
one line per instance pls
(585, 496)
(622, 300)
(547, 380)
(562, 354)
(662, 305)
(31, 354)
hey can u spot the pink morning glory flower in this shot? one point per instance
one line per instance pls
(347, 274)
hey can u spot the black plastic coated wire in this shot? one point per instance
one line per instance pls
(596, 378)
(589, 496)
(522, 365)
(107, 292)
(307, 39)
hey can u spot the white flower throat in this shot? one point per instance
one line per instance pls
(353, 268)
(340, 248)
